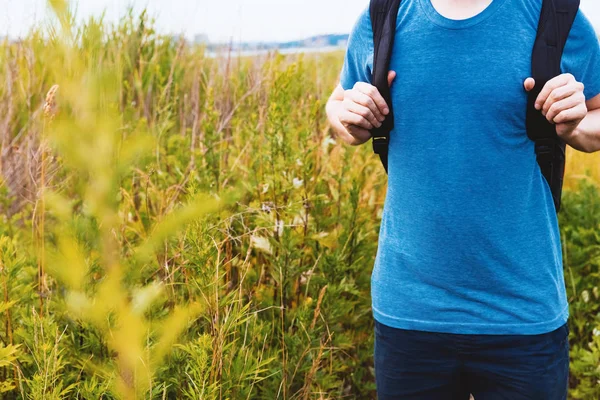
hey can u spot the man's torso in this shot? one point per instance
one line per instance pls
(469, 241)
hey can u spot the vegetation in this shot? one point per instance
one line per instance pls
(180, 226)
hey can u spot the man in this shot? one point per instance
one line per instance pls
(468, 289)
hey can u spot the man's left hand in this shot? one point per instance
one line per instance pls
(562, 102)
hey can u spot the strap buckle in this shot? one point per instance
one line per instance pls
(380, 144)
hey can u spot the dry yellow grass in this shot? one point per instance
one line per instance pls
(580, 166)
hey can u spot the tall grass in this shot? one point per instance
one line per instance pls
(115, 285)
(180, 226)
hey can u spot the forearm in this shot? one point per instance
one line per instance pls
(586, 137)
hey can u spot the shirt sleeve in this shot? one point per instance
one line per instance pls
(581, 56)
(359, 54)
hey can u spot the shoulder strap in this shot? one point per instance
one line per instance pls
(383, 20)
(556, 20)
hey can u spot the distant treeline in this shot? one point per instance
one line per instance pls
(313, 41)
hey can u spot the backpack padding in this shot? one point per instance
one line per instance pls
(556, 20)
(384, 14)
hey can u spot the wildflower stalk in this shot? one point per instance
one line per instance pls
(49, 109)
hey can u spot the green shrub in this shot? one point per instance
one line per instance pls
(580, 222)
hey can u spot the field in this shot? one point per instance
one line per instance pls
(182, 226)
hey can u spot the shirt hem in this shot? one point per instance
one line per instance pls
(473, 328)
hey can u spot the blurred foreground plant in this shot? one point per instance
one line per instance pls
(85, 243)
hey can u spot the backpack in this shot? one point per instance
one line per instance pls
(556, 20)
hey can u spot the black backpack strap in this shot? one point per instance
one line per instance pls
(556, 20)
(383, 19)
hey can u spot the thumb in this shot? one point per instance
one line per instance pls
(391, 77)
(529, 84)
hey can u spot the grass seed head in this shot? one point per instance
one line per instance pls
(50, 107)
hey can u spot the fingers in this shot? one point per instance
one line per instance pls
(571, 90)
(360, 135)
(354, 136)
(561, 101)
(372, 92)
(567, 101)
(550, 86)
(574, 115)
(562, 105)
(359, 97)
(529, 84)
(349, 119)
(363, 111)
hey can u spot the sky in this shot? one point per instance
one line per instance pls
(241, 20)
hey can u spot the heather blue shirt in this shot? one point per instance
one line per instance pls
(469, 240)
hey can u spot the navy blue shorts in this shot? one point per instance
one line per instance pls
(442, 366)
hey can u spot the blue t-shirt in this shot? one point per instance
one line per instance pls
(469, 240)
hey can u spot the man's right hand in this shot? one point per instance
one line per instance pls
(356, 111)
